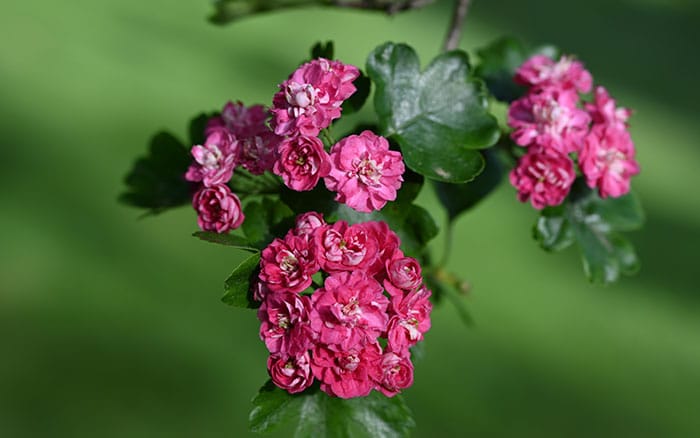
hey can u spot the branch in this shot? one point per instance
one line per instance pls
(454, 33)
(390, 7)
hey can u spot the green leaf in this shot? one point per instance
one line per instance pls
(156, 182)
(552, 230)
(594, 224)
(437, 116)
(458, 198)
(238, 285)
(314, 413)
(265, 220)
(500, 60)
(359, 97)
(244, 184)
(238, 242)
(322, 50)
(418, 229)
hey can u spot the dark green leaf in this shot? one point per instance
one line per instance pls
(418, 229)
(500, 60)
(457, 198)
(593, 223)
(319, 200)
(245, 184)
(359, 97)
(314, 413)
(237, 287)
(552, 230)
(156, 182)
(322, 50)
(238, 242)
(437, 117)
(265, 220)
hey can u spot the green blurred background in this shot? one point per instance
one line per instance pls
(112, 326)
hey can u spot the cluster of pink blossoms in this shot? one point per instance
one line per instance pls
(553, 124)
(240, 136)
(372, 295)
(361, 169)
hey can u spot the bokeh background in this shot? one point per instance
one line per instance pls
(111, 325)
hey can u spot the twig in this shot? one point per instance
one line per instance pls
(455, 31)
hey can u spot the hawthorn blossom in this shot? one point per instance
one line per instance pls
(214, 160)
(396, 373)
(542, 71)
(218, 209)
(410, 320)
(285, 326)
(291, 373)
(365, 174)
(347, 373)
(307, 223)
(343, 247)
(349, 310)
(312, 97)
(603, 110)
(607, 160)
(301, 162)
(544, 177)
(550, 119)
(239, 120)
(404, 272)
(287, 265)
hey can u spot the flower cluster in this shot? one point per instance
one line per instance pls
(284, 140)
(240, 136)
(361, 169)
(354, 331)
(554, 126)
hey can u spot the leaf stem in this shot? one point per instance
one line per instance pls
(390, 7)
(454, 32)
(448, 244)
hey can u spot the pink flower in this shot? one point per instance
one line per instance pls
(348, 373)
(387, 242)
(604, 111)
(301, 162)
(217, 208)
(287, 265)
(543, 176)
(607, 160)
(350, 309)
(549, 119)
(291, 373)
(239, 120)
(397, 374)
(410, 320)
(311, 98)
(365, 173)
(308, 223)
(258, 152)
(214, 161)
(257, 144)
(542, 71)
(404, 272)
(341, 247)
(284, 327)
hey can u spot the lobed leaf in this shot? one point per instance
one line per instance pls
(314, 413)
(594, 224)
(437, 116)
(156, 182)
